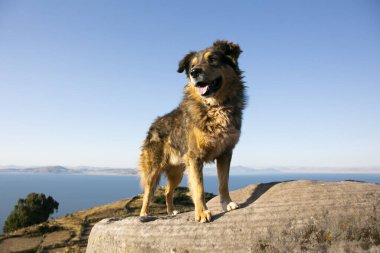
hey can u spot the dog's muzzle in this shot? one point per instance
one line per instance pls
(207, 89)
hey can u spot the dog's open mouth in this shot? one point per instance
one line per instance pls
(207, 89)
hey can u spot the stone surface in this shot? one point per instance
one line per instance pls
(289, 216)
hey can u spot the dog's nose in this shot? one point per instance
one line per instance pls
(195, 72)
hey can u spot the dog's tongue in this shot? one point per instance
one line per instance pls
(202, 90)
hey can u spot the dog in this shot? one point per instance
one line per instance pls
(204, 127)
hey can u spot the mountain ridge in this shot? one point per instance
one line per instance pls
(57, 169)
(208, 170)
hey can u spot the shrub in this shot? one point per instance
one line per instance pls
(34, 209)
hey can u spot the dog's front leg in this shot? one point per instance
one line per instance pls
(195, 167)
(223, 164)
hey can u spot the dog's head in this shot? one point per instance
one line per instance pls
(213, 71)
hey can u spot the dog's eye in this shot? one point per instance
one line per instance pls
(212, 60)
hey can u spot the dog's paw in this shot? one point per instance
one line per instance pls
(229, 206)
(174, 212)
(203, 216)
(147, 218)
(232, 206)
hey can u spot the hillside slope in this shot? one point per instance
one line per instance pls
(70, 233)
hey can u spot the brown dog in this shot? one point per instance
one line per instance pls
(205, 126)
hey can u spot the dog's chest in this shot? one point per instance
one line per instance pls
(219, 121)
(218, 133)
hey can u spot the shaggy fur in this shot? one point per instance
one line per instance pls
(205, 127)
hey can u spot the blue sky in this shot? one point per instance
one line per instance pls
(81, 81)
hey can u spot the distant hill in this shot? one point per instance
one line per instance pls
(48, 169)
(235, 170)
(241, 170)
(64, 170)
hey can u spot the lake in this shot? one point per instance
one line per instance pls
(78, 192)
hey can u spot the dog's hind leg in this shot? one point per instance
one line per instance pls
(150, 183)
(150, 177)
(174, 175)
(223, 166)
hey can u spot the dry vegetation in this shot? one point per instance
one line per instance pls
(322, 233)
(70, 233)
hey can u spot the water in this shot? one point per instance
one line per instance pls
(73, 192)
(78, 192)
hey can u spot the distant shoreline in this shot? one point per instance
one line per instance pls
(71, 174)
(59, 170)
(208, 171)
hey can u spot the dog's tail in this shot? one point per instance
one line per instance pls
(142, 172)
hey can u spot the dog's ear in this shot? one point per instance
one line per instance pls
(184, 63)
(230, 49)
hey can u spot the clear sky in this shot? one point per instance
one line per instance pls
(81, 81)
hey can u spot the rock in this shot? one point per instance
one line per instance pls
(289, 216)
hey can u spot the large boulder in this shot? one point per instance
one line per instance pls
(289, 216)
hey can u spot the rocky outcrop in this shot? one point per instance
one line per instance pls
(290, 216)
